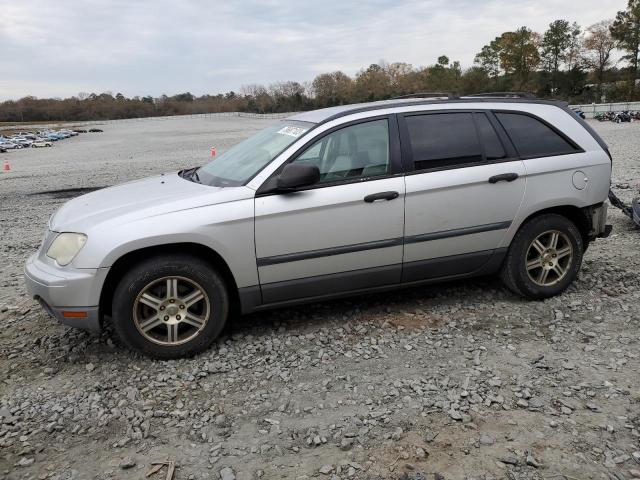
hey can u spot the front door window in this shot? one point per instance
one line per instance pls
(352, 153)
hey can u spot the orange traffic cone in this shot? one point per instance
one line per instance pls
(6, 167)
(213, 151)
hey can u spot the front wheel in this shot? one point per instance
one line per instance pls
(544, 257)
(170, 306)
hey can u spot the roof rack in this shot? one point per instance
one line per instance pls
(504, 95)
(426, 95)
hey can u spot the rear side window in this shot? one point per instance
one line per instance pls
(443, 140)
(532, 138)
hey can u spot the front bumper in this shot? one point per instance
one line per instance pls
(72, 296)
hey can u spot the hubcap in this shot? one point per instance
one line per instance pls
(171, 310)
(549, 258)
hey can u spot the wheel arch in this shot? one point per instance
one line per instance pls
(580, 216)
(207, 254)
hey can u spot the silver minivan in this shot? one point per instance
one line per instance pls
(332, 202)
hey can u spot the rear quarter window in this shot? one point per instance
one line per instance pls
(533, 138)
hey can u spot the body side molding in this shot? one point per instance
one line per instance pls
(391, 242)
(327, 252)
(457, 232)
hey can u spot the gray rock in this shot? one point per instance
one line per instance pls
(220, 420)
(127, 462)
(346, 444)
(531, 461)
(227, 473)
(421, 453)
(397, 434)
(430, 436)
(486, 439)
(621, 459)
(25, 462)
(509, 459)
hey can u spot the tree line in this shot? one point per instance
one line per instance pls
(566, 61)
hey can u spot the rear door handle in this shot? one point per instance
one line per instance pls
(381, 196)
(503, 177)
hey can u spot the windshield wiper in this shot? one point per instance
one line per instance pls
(190, 174)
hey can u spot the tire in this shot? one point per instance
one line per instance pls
(523, 270)
(174, 328)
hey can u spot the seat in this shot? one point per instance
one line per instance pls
(341, 166)
(378, 163)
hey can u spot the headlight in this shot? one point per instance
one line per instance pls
(65, 247)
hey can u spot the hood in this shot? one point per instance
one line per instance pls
(139, 199)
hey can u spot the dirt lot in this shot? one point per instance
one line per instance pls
(462, 380)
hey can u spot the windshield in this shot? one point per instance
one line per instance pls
(241, 162)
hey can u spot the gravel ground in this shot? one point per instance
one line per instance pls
(461, 380)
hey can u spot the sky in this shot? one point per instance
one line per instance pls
(63, 47)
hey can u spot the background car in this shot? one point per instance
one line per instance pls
(22, 142)
(42, 143)
(71, 133)
(7, 145)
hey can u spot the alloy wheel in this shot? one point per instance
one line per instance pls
(549, 258)
(171, 310)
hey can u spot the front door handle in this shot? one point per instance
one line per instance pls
(381, 196)
(503, 177)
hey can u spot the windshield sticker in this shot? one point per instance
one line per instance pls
(292, 131)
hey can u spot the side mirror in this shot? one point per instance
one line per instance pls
(297, 175)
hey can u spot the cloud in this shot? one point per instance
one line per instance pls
(153, 47)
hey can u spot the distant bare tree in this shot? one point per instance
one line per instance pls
(573, 52)
(598, 46)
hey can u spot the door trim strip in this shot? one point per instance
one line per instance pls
(392, 242)
(456, 232)
(327, 252)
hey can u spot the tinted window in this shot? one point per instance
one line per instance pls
(356, 151)
(443, 140)
(493, 148)
(532, 138)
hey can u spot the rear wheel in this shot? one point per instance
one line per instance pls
(544, 257)
(170, 306)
